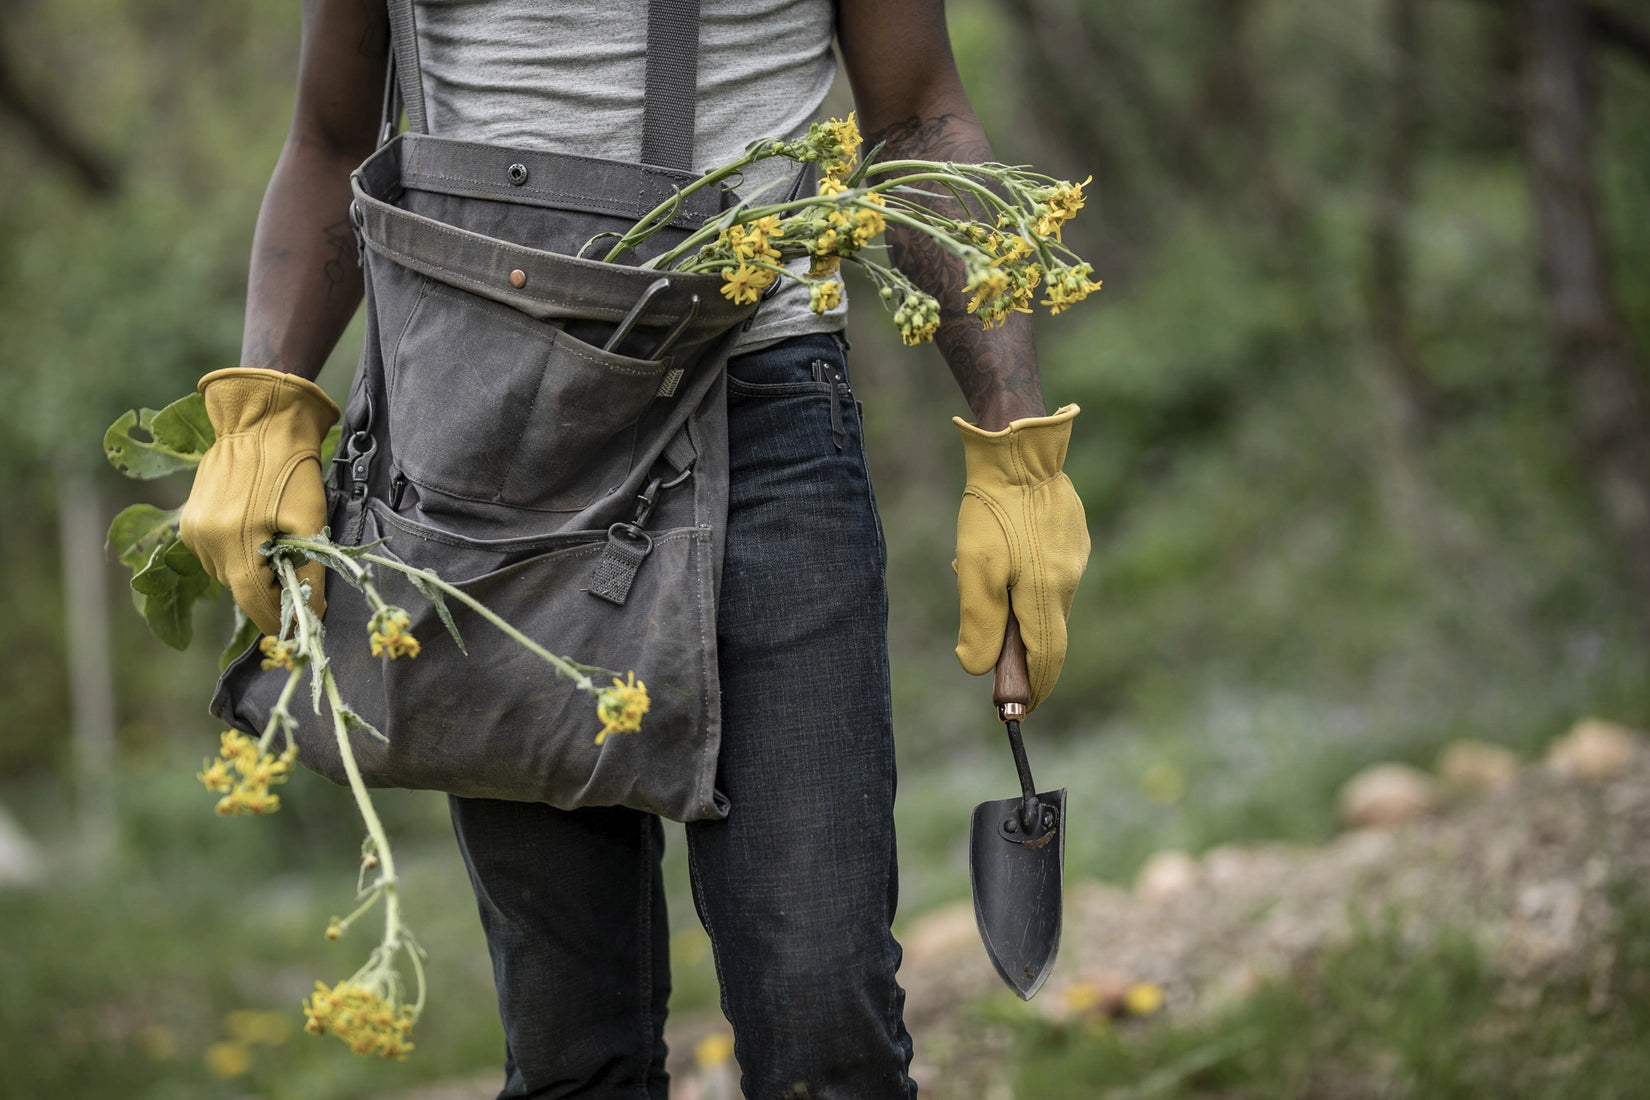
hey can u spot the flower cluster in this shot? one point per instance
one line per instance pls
(1057, 205)
(621, 707)
(280, 653)
(1068, 286)
(243, 774)
(1002, 223)
(833, 145)
(390, 635)
(918, 317)
(368, 1019)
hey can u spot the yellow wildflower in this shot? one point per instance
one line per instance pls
(621, 707)
(390, 635)
(237, 746)
(825, 295)
(1143, 999)
(215, 775)
(1069, 286)
(255, 801)
(822, 266)
(1060, 205)
(918, 318)
(243, 775)
(228, 1059)
(361, 1017)
(830, 185)
(867, 224)
(278, 653)
(742, 285)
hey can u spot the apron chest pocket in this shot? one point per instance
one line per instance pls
(488, 404)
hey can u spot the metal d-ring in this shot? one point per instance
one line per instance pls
(632, 533)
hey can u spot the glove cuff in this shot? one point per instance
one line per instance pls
(1028, 451)
(238, 398)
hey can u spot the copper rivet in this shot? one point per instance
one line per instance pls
(518, 278)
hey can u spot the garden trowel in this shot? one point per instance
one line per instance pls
(1017, 849)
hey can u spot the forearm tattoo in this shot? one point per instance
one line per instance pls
(341, 236)
(995, 368)
(260, 352)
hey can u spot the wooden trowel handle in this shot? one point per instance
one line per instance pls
(1012, 689)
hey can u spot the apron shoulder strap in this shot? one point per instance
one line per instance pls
(670, 99)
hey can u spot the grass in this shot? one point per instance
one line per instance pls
(1383, 1016)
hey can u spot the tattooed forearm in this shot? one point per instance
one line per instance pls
(260, 352)
(996, 368)
(341, 239)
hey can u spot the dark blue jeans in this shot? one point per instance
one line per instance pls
(797, 887)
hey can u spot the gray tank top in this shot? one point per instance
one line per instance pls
(568, 77)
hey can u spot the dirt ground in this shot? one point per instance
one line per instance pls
(1522, 861)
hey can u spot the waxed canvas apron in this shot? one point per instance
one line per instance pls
(548, 432)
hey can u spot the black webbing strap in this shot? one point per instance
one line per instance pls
(670, 98)
(672, 83)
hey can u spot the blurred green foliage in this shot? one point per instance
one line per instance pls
(1284, 585)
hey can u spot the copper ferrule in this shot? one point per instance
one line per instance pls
(1011, 712)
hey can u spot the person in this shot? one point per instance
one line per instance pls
(797, 887)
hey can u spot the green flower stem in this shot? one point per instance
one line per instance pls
(562, 665)
(645, 228)
(294, 587)
(279, 715)
(387, 881)
(414, 952)
(372, 899)
(337, 559)
(699, 237)
(950, 181)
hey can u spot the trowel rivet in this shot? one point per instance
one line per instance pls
(1011, 826)
(1048, 819)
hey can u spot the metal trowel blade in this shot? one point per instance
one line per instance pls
(1018, 889)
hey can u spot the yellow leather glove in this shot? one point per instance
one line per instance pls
(262, 476)
(1022, 541)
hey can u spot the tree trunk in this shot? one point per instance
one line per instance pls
(1610, 405)
(81, 521)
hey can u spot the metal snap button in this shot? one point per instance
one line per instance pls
(518, 174)
(518, 278)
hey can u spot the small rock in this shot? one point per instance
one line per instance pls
(1385, 796)
(940, 934)
(1593, 750)
(1165, 875)
(1477, 766)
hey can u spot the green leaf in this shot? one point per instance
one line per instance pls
(170, 584)
(353, 721)
(178, 435)
(246, 636)
(138, 530)
(434, 595)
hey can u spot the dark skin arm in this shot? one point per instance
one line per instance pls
(909, 96)
(304, 282)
